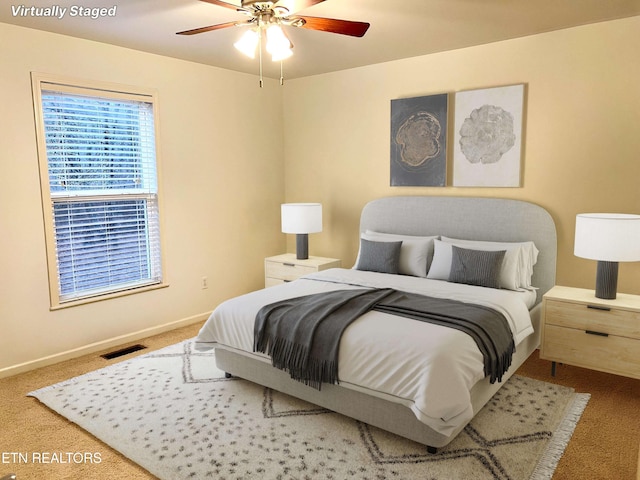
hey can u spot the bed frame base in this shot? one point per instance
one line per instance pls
(387, 415)
(375, 411)
(430, 449)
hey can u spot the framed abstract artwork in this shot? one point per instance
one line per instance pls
(419, 141)
(488, 137)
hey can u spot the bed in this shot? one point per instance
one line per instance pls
(396, 373)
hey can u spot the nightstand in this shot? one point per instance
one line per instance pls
(582, 330)
(286, 268)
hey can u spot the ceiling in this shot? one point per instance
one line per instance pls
(399, 28)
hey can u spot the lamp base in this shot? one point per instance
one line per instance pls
(607, 280)
(302, 246)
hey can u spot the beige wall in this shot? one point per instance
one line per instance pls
(222, 179)
(226, 168)
(582, 133)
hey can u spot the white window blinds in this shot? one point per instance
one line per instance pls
(103, 190)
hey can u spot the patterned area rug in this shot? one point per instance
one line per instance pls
(174, 414)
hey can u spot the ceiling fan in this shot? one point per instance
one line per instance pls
(270, 16)
(281, 12)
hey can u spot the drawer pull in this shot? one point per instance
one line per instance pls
(289, 264)
(599, 307)
(287, 281)
(600, 334)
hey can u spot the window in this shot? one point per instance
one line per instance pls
(98, 172)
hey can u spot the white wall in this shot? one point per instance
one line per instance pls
(222, 178)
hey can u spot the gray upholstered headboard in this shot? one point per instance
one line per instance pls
(475, 218)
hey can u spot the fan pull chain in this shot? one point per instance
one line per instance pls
(260, 54)
(281, 74)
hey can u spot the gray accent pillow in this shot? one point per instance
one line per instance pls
(476, 267)
(383, 257)
(416, 253)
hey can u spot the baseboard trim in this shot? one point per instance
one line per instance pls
(102, 345)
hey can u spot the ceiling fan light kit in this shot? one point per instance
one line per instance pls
(248, 42)
(269, 17)
(278, 44)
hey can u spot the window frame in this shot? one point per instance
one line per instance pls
(44, 82)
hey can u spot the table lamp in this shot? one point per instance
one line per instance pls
(608, 238)
(301, 219)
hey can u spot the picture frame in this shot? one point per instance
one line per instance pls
(488, 126)
(418, 154)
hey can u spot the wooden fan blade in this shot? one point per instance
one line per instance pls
(344, 27)
(296, 5)
(223, 4)
(207, 29)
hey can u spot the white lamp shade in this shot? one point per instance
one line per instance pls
(301, 217)
(609, 237)
(248, 43)
(278, 44)
(282, 55)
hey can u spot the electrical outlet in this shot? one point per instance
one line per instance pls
(204, 282)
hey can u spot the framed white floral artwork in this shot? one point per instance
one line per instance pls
(488, 137)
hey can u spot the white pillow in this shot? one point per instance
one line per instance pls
(518, 262)
(441, 263)
(415, 252)
(442, 257)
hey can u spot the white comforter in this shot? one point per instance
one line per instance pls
(428, 368)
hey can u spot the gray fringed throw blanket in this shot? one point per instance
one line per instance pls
(302, 335)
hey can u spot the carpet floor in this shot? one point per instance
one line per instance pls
(169, 412)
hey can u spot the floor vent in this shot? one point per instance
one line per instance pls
(123, 351)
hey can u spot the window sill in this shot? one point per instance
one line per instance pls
(107, 296)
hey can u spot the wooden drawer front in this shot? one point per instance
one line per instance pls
(624, 323)
(270, 282)
(286, 271)
(611, 354)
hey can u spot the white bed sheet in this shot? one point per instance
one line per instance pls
(428, 368)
